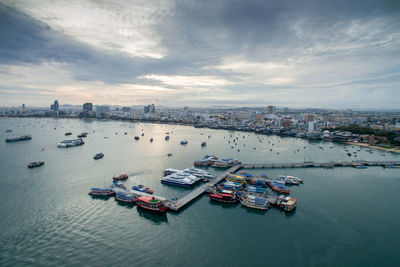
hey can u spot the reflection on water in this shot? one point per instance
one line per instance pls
(154, 217)
(223, 205)
(100, 197)
(125, 204)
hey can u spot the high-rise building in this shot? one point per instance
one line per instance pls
(271, 109)
(309, 117)
(55, 106)
(150, 108)
(102, 111)
(87, 107)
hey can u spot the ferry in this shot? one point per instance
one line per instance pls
(125, 197)
(101, 191)
(19, 138)
(184, 142)
(70, 143)
(152, 204)
(287, 203)
(98, 156)
(176, 180)
(226, 196)
(121, 177)
(143, 189)
(255, 202)
(279, 187)
(35, 164)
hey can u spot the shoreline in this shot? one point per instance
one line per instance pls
(392, 150)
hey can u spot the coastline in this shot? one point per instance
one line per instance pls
(392, 150)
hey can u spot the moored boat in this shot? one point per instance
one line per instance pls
(125, 197)
(19, 138)
(255, 202)
(101, 191)
(152, 204)
(143, 189)
(287, 203)
(35, 164)
(279, 187)
(98, 155)
(226, 196)
(121, 177)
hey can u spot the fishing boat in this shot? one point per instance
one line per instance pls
(226, 196)
(98, 156)
(121, 177)
(279, 187)
(152, 204)
(254, 202)
(143, 189)
(184, 142)
(69, 133)
(125, 197)
(256, 190)
(35, 164)
(19, 138)
(202, 162)
(392, 166)
(101, 191)
(287, 203)
(236, 178)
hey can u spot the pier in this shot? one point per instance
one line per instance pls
(180, 203)
(176, 205)
(329, 164)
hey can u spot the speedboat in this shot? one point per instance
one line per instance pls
(98, 156)
(121, 177)
(35, 164)
(184, 142)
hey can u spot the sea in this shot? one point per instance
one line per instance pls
(344, 216)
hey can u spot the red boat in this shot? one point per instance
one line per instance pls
(150, 203)
(279, 187)
(123, 176)
(226, 196)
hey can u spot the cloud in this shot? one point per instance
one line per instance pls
(302, 53)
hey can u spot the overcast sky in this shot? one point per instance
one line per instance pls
(329, 54)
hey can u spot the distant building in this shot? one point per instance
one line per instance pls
(286, 109)
(150, 109)
(126, 109)
(102, 111)
(87, 107)
(310, 126)
(271, 109)
(55, 106)
(186, 108)
(309, 117)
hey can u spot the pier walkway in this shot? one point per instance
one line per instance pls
(176, 205)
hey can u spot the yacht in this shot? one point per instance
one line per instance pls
(178, 180)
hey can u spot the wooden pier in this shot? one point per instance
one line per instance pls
(176, 205)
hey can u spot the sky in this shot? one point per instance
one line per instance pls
(321, 54)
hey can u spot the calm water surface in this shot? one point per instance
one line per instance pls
(345, 216)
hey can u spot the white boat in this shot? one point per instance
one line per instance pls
(70, 142)
(177, 180)
(288, 179)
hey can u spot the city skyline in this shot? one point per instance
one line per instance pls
(333, 55)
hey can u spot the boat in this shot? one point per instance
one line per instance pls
(142, 134)
(126, 197)
(35, 164)
(121, 177)
(177, 180)
(203, 144)
(202, 162)
(169, 154)
(136, 137)
(152, 204)
(101, 191)
(279, 187)
(254, 202)
(167, 137)
(236, 178)
(98, 156)
(184, 142)
(82, 135)
(69, 133)
(19, 138)
(8, 131)
(256, 190)
(151, 140)
(392, 166)
(287, 203)
(288, 179)
(226, 196)
(143, 189)
(70, 143)
(360, 166)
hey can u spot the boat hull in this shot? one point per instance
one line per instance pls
(176, 184)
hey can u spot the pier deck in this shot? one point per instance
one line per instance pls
(176, 205)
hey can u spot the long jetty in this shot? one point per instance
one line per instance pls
(177, 205)
(180, 203)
